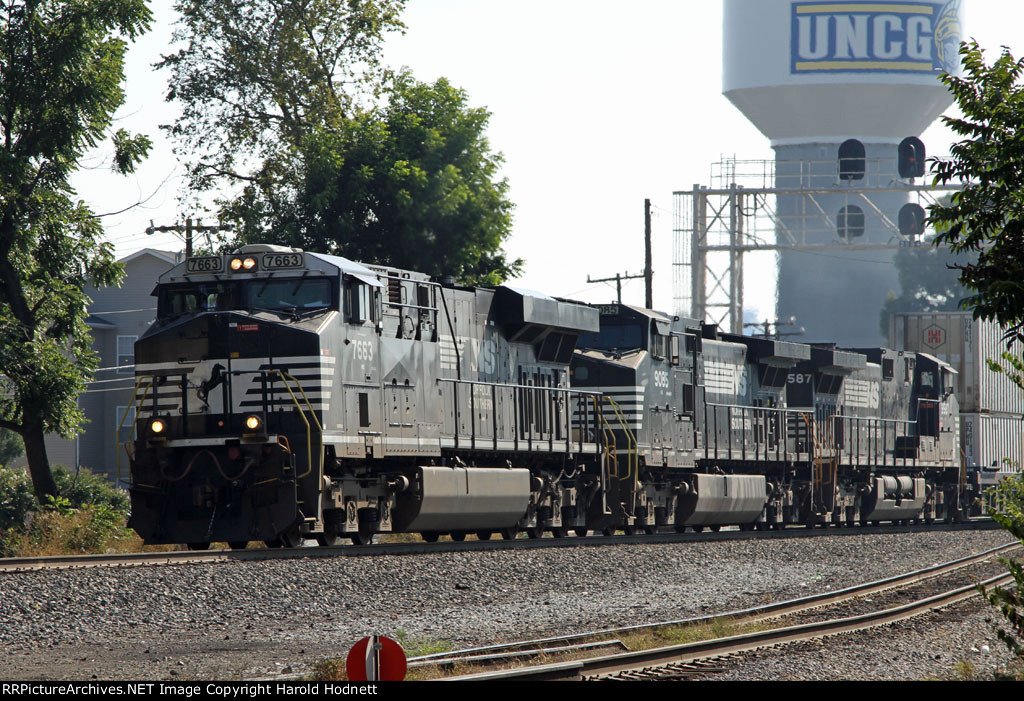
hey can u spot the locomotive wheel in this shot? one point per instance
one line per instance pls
(651, 530)
(430, 536)
(629, 529)
(680, 528)
(716, 528)
(581, 532)
(484, 535)
(559, 532)
(361, 538)
(535, 533)
(698, 529)
(328, 539)
(458, 536)
(610, 531)
(509, 533)
(238, 544)
(746, 527)
(199, 546)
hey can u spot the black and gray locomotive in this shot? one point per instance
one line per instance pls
(284, 394)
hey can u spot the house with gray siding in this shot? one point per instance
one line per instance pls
(117, 317)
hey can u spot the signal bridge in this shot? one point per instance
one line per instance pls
(846, 207)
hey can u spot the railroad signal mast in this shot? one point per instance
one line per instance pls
(757, 210)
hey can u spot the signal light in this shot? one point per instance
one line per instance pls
(850, 222)
(852, 160)
(911, 220)
(911, 158)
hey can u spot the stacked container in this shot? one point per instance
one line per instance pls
(991, 406)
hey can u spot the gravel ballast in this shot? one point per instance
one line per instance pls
(238, 619)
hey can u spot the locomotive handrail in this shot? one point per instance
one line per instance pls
(571, 393)
(632, 456)
(309, 439)
(568, 390)
(131, 404)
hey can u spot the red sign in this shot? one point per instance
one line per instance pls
(376, 659)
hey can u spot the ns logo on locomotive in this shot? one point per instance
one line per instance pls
(283, 394)
(896, 37)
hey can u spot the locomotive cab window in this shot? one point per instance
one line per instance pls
(660, 345)
(359, 302)
(205, 297)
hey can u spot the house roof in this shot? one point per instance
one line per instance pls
(171, 257)
(98, 322)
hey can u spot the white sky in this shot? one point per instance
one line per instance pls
(594, 106)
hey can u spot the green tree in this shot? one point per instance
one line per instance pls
(11, 447)
(61, 74)
(285, 104)
(411, 184)
(986, 219)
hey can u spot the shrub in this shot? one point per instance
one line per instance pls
(84, 488)
(17, 500)
(88, 516)
(1008, 511)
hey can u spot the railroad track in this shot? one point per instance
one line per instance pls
(699, 658)
(23, 564)
(189, 556)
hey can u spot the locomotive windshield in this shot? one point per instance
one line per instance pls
(294, 295)
(614, 337)
(289, 295)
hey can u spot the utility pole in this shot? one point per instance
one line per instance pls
(188, 230)
(766, 327)
(619, 277)
(647, 275)
(648, 271)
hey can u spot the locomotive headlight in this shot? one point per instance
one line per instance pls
(242, 264)
(253, 422)
(158, 427)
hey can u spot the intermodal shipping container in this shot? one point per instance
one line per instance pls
(994, 443)
(966, 344)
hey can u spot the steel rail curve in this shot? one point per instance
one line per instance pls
(648, 661)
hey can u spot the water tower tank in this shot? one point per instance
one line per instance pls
(812, 75)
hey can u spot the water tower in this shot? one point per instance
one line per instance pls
(818, 77)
